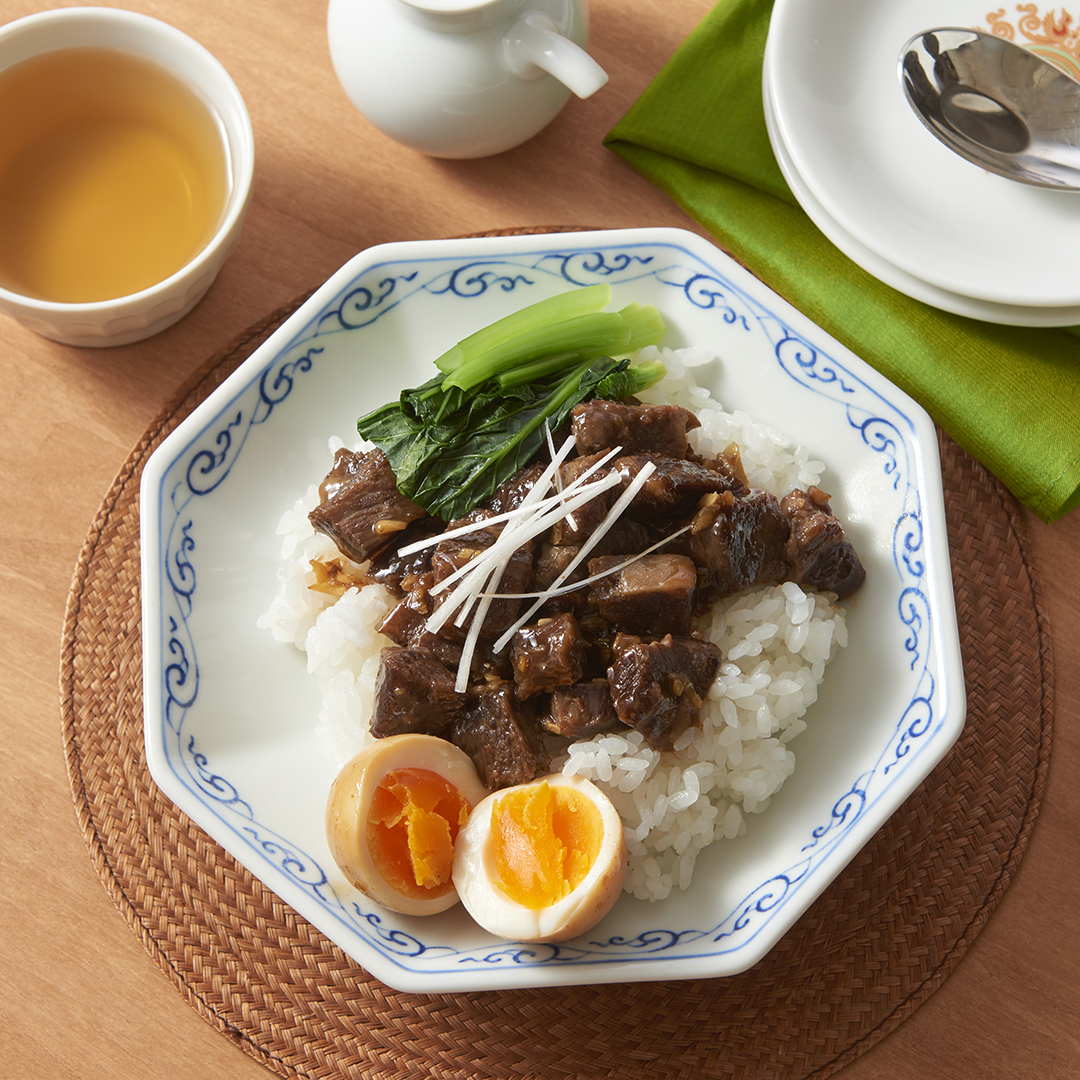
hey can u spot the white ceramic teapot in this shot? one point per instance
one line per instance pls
(461, 78)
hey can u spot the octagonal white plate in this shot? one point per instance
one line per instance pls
(230, 714)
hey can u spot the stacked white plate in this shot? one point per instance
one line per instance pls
(885, 191)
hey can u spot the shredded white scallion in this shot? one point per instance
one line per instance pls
(472, 574)
(461, 681)
(613, 515)
(541, 486)
(477, 580)
(516, 533)
(557, 477)
(562, 590)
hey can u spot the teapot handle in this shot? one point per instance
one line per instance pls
(534, 45)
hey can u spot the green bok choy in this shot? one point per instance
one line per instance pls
(454, 440)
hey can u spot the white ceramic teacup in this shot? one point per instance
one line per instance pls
(145, 312)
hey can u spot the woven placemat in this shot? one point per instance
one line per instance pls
(873, 947)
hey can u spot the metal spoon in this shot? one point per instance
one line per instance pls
(996, 104)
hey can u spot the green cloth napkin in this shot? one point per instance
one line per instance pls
(1009, 395)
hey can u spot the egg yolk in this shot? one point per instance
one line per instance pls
(545, 841)
(413, 821)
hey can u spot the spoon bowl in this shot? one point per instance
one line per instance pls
(1000, 106)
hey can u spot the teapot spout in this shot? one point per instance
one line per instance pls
(534, 46)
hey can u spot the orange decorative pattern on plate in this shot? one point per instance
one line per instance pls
(1052, 36)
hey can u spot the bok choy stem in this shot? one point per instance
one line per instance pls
(527, 320)
(537, 369)
(645, 325)
(599, 333)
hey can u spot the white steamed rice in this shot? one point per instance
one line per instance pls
(776, 644)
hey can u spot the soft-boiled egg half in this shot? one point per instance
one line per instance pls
(542, 861)
(393, 815)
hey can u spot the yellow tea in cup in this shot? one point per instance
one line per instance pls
(113, 175)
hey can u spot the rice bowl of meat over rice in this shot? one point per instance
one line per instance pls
(817, 718)
(776, 640)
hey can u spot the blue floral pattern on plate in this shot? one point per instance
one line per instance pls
(240, 457)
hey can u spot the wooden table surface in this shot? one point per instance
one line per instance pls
(78, 995)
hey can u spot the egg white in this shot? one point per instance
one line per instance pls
(349, 802)
(476, 877)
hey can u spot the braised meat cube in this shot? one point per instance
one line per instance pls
(406, 625)
(453, 553)
(582, 710)
(600, 634)
(820, 553)
(627, 535)
(362, 510)
(414, 692)
(481, 535)
(502, 738)
(570, 471)
(345, 469)
(673, 489)
(552, 561)
(547, 654)
(399, 573)
(660, 429)
(517, 577)
(579, 525)
(657, 687)
(739, 543)
(406, 619)
(651, 595)
(510, 494)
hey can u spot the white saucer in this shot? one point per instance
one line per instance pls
(882, 269)
(840, 112)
